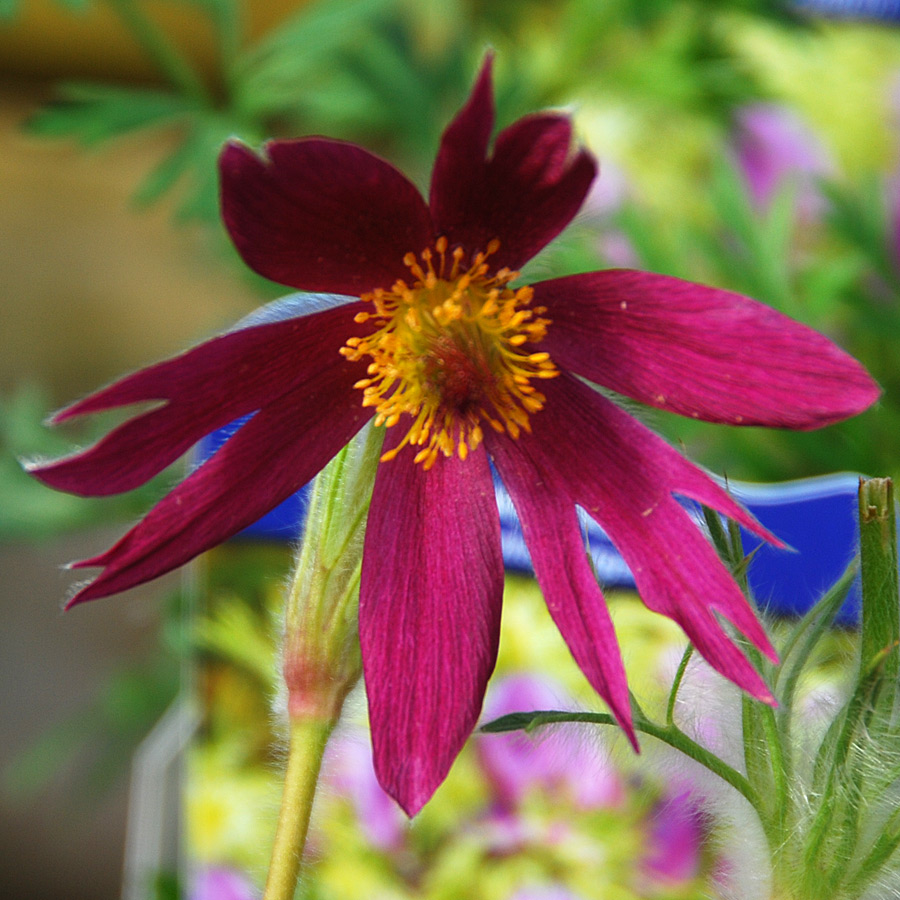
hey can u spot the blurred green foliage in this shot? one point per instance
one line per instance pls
(29, 510)
(658, 87)
(389, 73)
(10, 8)
(97, 739)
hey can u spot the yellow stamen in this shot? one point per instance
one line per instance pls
(445, 351)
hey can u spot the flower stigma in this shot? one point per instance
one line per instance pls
(451, 351)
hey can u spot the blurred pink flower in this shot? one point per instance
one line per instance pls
(776, 148)
(556, 761)
(221, 883)
(675, 841)
(544, 892)
(351, 772)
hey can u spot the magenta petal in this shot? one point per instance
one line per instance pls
(524, 195)
(624, 476)
(322, 215)
(429, 615)
(560, 560)
(268, 459)
(203, 389)
(698, 351)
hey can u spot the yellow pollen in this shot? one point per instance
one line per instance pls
(448, 353)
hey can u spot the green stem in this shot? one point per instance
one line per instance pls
(307, 747)
(171, 63)
(880, 627)
(881, 851)
(676, 684)
(668, 734)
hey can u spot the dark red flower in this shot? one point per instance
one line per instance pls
(461, 368)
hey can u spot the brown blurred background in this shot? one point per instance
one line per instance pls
(89, 290)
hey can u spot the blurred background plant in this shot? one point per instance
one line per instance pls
(747, 143)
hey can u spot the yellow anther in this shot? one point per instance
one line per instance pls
(445, 352)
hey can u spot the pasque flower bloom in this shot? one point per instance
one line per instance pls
(461, 368)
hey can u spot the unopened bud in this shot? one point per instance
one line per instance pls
(320, 651)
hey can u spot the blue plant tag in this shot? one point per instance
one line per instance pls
(818, 519)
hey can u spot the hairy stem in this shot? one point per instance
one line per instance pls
(307, 747)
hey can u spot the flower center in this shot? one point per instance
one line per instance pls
(451, 352)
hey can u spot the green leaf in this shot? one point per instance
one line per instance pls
(879, 854)
(835, 792)
(186, 156)
(859, 213)
(30, 509)
(654, 251)
(93, 113)
(10, 8)
(757, 254)
(193, 161)
(276, 73)
(806, 634)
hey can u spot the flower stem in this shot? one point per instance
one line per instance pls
(307, 747)
(676, 684)
(880, 626)
(669, 734)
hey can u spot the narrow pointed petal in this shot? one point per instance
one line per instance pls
(698, 351)
(624, 476)
(203, 389)
(556, 544)
(322, 215)
(523, 195)
(463, 149)
(281, 448)
(429, 615)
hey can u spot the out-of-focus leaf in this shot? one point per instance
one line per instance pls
(784, 11)
(859, 214)
(276, 73)
(658, 249)
(99, 738)
(92, 113)
(237, 633)
(10, 8)
(752, 255)
(188, 155)
(227, 18)
(193, 162)
(30, 509)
